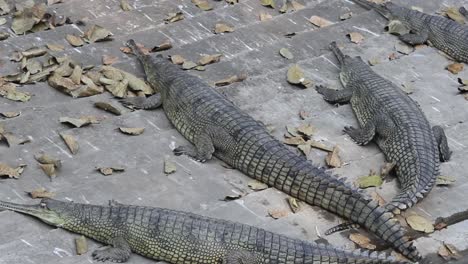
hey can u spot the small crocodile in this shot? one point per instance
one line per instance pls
(182, 237)
(388, 115)
(216, 126)
(443, 33)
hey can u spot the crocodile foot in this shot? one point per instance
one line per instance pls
(189, 151)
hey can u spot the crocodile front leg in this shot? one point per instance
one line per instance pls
(203, 150)
(444, 151)
(149, 103)
(119, 252)
(415, 38)
(335, 96)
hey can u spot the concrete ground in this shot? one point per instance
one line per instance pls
(252, 49)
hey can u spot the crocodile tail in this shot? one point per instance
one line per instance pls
(136, 50)
(338, 54)
(407, 197)
(381, 9)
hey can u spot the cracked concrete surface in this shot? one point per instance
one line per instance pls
(252, 49)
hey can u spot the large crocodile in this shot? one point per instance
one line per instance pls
(443, 33)
(216, 126)
(385, 113)
(182, 237)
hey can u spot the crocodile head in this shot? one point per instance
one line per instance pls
(50, 211)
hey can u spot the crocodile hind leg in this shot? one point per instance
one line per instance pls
(444, 150)
(335, 96)
(119, 252)
(149, 103)
(415, 38)
(203, 150)
(362, 136)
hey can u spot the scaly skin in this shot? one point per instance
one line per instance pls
(181, 237)
(215, 126)
(443, 33)
(385, 113)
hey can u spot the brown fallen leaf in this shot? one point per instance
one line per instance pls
(8, 90)
(403, 48)
(305, 148)
(62, 84)
(187, 65)
(41, 193)
(396, 27)
(71, 142)
(208, 59)
(356, 37)
(173, 17)
(106, 171)
(374, 61)
(347, 15)
(81, 245)
(4, 35)
(49, 170)
(203, 4)
(295, 75)
(362, 241)
(34, 52)
(264, 16)
(46, 159)
(108, 107)
(286, 53)
(165, 45)
(445, 180)
(7, 171)
(379, 199)
(134, 131)
(455, 68)
(75, 41)
(80, 122)
(294, 204)
(109, 59)
(177, 59)
(10, 114)
(126, 50)
(134, 83)
(454, 14)
(55, 47)
(125, 5)
(319, 21)
(448, 252)
(4, 7)
(97, 33)
(257, 186)
(319, 145)
(294, 141)
(223, 28)
(333, 159)
(230, 80)
(169, 167)
(306, 129)
(268, 3)
(420, 223)
(277, 213)
(76, 74)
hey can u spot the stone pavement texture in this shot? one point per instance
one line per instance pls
(252, 49)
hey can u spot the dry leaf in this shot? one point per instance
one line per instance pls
(455, 68)
(165, 45)
(2, 21)
(4, 7)
(106, 171)
(49, 169)
(33, 52)
(134, 131)
(108, 107)
(277, 213)
(55, 47)
(306, 129)
(445, 180)
(294, 204)
(454, 14)
(71, 142)
(76, 74)
(41, 193)
(268, 3)
(286, 53)
(294, 141)
(223, 28)
(97, 33)
(177, 59)
(265, 16)
(75, 41)
(257, 186)
(6, 170)
(187, 65)
(395, 27)
(362, 241)
(379, 199)
(420, 223)
(4, 35)
(62, 84)
(319, 21)
(109, 59)
(8, 90)
(134, 83)
(448, 252)
(295, 6)
(173, 17)
(81, 245)
(203, 5)
(231, 80)
(404, 48)
(305, 148)
(374, 61)
(319, 145)
(208, 59)
(295, 75)
(125, 6)
(10, 114)
(333, 159)
(169, 167)
(51, 2)
(46, 159)
(356, 37)
(371, 180)
(291, 131)
(126, 50)
(346, 16)
(80, 122)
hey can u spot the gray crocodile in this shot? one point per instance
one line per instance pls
(182, 237)
(388, 115)
(443, 33)
(216, 126)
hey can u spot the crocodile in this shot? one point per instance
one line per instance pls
(443, 33)
(397, 124)
(182, 237)
(463, 11)
(217, 127)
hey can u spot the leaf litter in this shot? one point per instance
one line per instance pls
(10, 172)
(133, 131)
(295, 75)
(106, 171)
(420, 223)
(40, 193)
